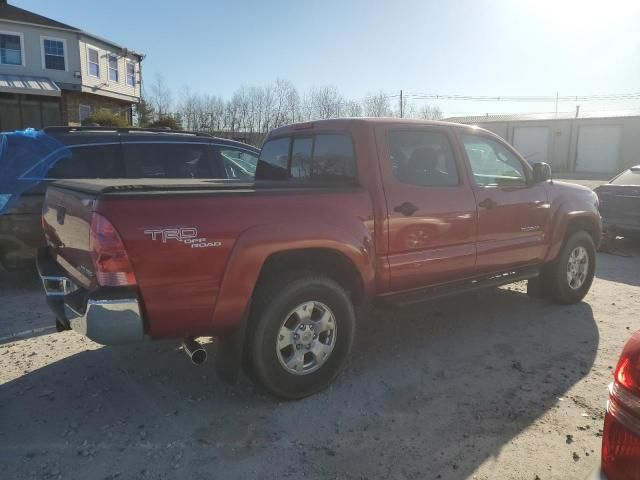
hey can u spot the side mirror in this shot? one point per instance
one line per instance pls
(541, 172)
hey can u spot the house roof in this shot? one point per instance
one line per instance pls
(15, 14)
(528, 117)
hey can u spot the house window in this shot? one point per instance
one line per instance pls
(53, 52)
(11, 49)
(94, 63)
(131, 74)
(85, 112)
(113, 68)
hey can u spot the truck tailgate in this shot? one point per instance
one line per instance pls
(66, 218)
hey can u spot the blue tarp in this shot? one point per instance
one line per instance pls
(26, 156)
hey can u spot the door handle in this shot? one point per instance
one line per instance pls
(407, 209)
(488, 203)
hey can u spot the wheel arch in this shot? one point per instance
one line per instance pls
(569, 223)
(346, 257)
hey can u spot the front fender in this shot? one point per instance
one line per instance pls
(256, 244)
(565, 214)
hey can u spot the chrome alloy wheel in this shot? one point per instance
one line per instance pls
(577, 267)
(306, 338)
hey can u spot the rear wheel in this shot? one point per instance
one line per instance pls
(569, 278)
(302, 331)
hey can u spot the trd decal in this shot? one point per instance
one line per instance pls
(186, 235)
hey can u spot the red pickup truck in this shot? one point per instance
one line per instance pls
(341, 212)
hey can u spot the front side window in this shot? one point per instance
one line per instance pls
(94, 62)
(492, 164)
(113, 68)
(238, 163)
(10, 49)
(422, 157)
(131, 74)
(53, 51)
(323, 158)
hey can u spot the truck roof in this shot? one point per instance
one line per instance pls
(343, 124)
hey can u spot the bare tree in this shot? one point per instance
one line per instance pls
(353, 109)
(325, 102)
(377, 105)
(428, 112)
(161, 97)
(254, 110)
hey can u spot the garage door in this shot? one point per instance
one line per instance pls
(598, 148)
(532, 143)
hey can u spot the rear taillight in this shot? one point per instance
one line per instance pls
(621, 435)
(110, 259)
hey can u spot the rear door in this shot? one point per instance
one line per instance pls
(431, 207)
(513, 213)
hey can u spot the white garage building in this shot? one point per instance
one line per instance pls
(602, 143)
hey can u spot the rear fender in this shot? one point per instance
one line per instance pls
(256, 244)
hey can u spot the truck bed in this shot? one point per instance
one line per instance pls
(189, 287)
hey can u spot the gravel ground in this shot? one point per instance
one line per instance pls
(489, 385)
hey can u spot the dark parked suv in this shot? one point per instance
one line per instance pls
(101, 152)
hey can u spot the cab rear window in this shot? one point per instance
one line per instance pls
(323, 158)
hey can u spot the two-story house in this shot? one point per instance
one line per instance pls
(55, 74)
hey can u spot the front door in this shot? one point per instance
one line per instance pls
(431, 207)
(513, 213)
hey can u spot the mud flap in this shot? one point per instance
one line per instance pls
(229, 352)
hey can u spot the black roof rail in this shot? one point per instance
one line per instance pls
(71, 129)
(87, 128)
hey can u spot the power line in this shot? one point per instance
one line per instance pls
(524, 98)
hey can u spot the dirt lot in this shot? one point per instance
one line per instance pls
(489, 385)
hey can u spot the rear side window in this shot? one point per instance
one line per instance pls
(89, 161)
(333, 160)
(144, 160)
(422, 158)
(323, 158)
(167, 160)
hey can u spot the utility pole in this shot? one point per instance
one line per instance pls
(401, 105)
(556, 104)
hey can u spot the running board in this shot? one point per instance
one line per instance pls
(465, 286)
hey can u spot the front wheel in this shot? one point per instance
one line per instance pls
(569, 278)
(302, 332)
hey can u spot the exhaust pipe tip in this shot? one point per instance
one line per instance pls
(195, 351)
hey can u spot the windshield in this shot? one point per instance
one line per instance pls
(630, 177)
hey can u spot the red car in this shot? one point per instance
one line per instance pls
(342, 212)
(621, 436)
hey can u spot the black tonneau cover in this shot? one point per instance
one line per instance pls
(146, 186)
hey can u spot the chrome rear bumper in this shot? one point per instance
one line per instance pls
(108, 317)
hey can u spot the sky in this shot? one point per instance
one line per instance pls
(462, 47)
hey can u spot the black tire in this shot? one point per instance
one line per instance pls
(274, 300)
(555, 277)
